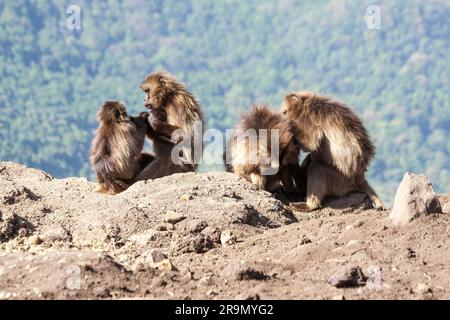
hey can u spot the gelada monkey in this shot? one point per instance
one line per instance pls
(116, 149)
(339, 145)
(255, 160)
(183, 115)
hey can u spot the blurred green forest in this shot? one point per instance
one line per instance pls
(231, 54)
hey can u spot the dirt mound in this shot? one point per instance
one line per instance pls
(202, 236)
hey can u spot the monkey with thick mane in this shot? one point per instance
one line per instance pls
(182, 113)
(250, 153)
(339, 145)
(116, 149)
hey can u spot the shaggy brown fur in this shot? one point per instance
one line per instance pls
(286, 164)
(339, 145)
(116, 149)
(163, 91)
(160, 163)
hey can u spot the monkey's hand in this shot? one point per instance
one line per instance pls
(161, 127)
(144, 115)
(154, 122)
(141, 121)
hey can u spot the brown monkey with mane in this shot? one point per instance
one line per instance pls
(182, 112)
(339, 145)
(254, 159)
(116, 149)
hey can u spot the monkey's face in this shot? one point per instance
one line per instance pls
(155, 89)
(113, 111)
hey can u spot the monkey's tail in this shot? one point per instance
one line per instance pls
(365, 187)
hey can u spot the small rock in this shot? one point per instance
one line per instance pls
(212, 293)
(101, 292)
(160, 227)
(164, 227)
(227, 238)
(186, 197)
(144, 238)
(165, 265)
(9, 223)
(200, 244)
(414, 198)
(410, 253)
(190, 275)
(148, 259)
(358, 223)
(207, 280)
(305, 240)
(36, 239)
(424, 289)
(54, 234)
(196, 225)
(23, 232)
(348, 277)
(138, 266)
(213, 233)
(5, 295)
(156, 256)
(173, 217)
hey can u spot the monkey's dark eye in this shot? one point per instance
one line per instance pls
(117, 113)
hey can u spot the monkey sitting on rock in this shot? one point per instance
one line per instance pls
(174, 114)
(116, 149)
(251, 155)
(339, 145)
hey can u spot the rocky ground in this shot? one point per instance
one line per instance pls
(214, 236)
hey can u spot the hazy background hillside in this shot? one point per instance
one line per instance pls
(231, 54)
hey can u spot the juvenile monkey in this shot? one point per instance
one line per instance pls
(160, 163)
(339, 145)
(254, 158)
(116, 149)
(183, 111)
